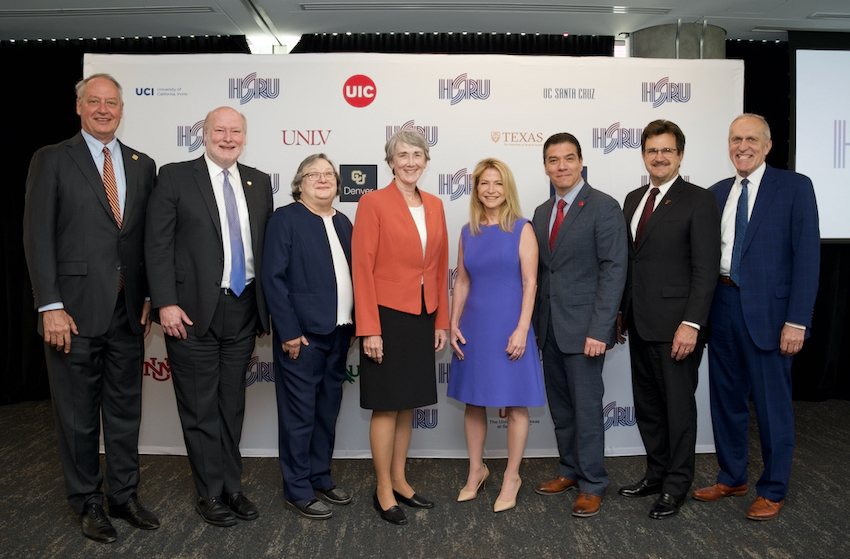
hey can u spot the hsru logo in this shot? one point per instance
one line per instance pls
(455, 185)
(617, 416)
(424, 418)
(665, 91)
(191, 136)
(251, 87)
(427, 132)
(462, 88)
(259, 371)
(614, 137)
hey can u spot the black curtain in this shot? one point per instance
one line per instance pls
(458, 43)
(822, 369)
(42, 95)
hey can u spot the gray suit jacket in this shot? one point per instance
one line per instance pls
(183, 244)
(75, 251)
(580, 283)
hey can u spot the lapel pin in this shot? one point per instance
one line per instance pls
(248, 183)
(581, 203)
(667, 202)
(135, 157)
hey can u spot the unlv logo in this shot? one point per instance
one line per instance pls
(359, 91)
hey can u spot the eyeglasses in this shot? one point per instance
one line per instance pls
(329, 176)
(666, 152)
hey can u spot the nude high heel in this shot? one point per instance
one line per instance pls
(469, 495)
(505, 505)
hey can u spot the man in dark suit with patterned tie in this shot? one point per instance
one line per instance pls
(83, 237)
(206, 226)
(581, 234)
(761, 314)
(674, 255)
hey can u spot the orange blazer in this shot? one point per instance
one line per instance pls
(387, 263)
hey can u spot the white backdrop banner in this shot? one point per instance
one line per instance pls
(468, 108)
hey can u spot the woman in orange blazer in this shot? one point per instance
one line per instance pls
(400, 261)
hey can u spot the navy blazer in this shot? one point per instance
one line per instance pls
(780, 263)
(298, 273)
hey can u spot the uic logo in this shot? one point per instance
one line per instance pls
(359, 91)
(462, 88)
(840, 143)
(614, 137)
(424, 418)
(455, 185)
(665, 91)
(191, 136)
(427, 132)
(259, 371)
(616, 416)
(251, 87)
(305, 137)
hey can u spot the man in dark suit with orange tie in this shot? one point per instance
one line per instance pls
(206, 226)
(674, 255)
(761, 314)
(83, 237)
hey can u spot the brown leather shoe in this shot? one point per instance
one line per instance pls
(762, 509)
(586, 505)
(555, 486)
(718, 491)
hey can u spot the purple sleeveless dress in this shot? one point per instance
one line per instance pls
(486, 376)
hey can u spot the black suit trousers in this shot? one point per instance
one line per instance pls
(666, 410)
(101, 377)
(209, 380)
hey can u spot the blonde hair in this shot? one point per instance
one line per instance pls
(509, 211)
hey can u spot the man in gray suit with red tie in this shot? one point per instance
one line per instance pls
(581, 234)
(674, 256)
(83, 237)
(761, 314)
(206, 226)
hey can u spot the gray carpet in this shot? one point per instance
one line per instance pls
(36, 521)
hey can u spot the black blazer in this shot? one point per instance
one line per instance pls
(673, 271)
(74, 249)
(183, 244)
(298, 272)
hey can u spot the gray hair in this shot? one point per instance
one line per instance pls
(80, 86)
(299, 174)
(406, 137)
(758, 118)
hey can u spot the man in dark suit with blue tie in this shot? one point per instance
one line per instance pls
(83, 237)
(206, 226)
(761, 314)
(581, 234)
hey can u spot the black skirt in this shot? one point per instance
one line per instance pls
(406, 378)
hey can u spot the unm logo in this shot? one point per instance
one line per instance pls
(614, 137)
(427, 132)
(424, 418)
(251, 87)
(665, 91)
(156, 369)
(191, 136)
(259, 371)
(462, 88)
(840, 143)
(617, 416)
(455, 185)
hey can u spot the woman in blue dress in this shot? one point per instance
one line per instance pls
(495, 361)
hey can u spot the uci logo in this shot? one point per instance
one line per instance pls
(359, 91)
(144, 91)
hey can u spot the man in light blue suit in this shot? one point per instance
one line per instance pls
(761, 314)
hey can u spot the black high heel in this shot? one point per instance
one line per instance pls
(394, 514)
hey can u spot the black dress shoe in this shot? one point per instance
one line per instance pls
(334, 495)
(135, 513)
(215, 512)
(640, 489)
(313, 509)
(96, 526)
(393, 514)
(665, 506)
(241, 506)
(415, 501)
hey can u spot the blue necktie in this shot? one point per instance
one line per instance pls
(741, 221)
(237, 252)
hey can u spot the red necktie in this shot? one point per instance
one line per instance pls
(557, 225)
(647, 212)
(112, 196)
